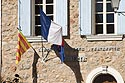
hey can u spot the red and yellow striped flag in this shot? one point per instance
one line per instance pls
(22, 46)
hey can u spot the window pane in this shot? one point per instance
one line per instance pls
(37, 20)
(99, 7)
(37, 9)
(99, 18)
(99, 29)
(110, 18)
(99, 0)
(51, 17)
(38, 1)
(49, 9)
(49, 12)
(37, 31)
(109, 7)
(110, 28)
(49, 1)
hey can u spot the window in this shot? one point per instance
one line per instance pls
(28, 15)
(97, 20)
(48, 7)
(105, 22)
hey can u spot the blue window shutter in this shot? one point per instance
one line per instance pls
(24, 16)
(61, 15)
(121, 18)
(85, 17)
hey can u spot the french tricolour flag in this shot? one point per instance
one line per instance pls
(52, 32)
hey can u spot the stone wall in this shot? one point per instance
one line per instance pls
(31, 69)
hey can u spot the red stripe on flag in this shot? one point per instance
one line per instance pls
(18, 58)
(18, 51)
(23, 41)
(20, 48)
(62, 42)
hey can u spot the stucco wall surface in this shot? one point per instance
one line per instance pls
(32, 70)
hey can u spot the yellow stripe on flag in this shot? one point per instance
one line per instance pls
(25, 39)
(22, 46)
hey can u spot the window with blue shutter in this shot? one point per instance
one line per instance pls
(61, 15)
(28, 15)
(24, 16)
(85, 17)
(96, 17)
(121, 18)
(98, 21)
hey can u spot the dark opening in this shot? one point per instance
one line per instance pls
(104, 78)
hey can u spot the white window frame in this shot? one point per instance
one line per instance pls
(26, 17)
(103, 36)
(104, 20)
(87, 22)
(34, 38)
(33, 14)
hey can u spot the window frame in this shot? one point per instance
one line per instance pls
(34, 15)
(26, 17)
(87, 23)
(104, 23)
(33, 37)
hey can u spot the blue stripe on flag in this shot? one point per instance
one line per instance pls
(62, 55)
(45, 24)
(60, 49)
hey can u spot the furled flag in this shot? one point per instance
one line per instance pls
(52, 32)
(22, 47)
(60, 49)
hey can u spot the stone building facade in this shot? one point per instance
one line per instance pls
(86, 61)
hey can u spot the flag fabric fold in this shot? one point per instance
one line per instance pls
(60, 49)
(52, 32)
(22, 46)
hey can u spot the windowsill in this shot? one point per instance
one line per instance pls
(88, 37)
(35, 39)
(104, 37)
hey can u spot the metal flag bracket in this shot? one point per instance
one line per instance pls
(45, 52)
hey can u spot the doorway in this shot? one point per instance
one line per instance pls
(104, 78)
(104, 74)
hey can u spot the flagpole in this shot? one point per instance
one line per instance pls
(0, 42)
(42, 47)
(41, 37)
(19, 27)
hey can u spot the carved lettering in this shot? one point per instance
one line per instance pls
(110, 48)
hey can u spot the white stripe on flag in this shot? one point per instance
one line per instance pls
(55, 34)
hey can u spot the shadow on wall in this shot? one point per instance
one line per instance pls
(34, 68)
(71, 55)
(70, 60)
